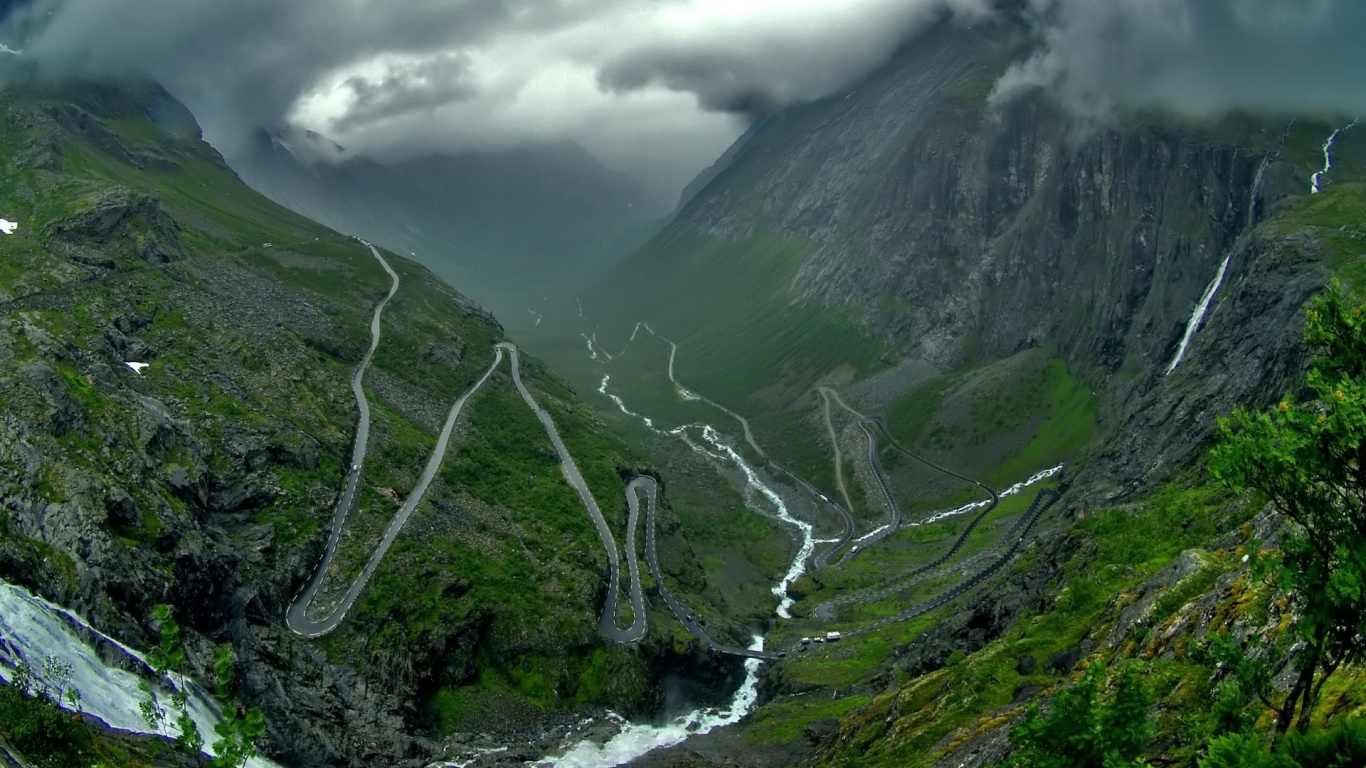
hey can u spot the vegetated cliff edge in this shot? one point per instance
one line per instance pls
(206, 481)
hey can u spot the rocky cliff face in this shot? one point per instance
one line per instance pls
(959, 233)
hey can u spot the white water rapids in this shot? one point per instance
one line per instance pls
(754, 489)
(804, 529)
(34, 630)
(636, 739)
(602, 389)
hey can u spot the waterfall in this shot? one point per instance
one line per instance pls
(1252, 197)
(1198, 315)
(636, 739)
(1315, 181)
(48, 638)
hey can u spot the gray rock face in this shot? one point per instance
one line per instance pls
(962, 233)
(122, 218)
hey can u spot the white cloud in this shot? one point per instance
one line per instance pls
(638, 84)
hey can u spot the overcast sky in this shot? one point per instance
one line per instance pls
(659, 88)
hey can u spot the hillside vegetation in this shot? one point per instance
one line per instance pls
(207, 480)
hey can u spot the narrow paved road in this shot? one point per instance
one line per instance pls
(826, 610)
(894, 509)
(839, 467)
(1007, 549)
(647, 485)
(1045, 499)
(607, 621)
(296, 618)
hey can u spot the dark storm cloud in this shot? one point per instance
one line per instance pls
(1198, 57)
(792, 52)
(658, 88)
(246, 62)
(721, 80)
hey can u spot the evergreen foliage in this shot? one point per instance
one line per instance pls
(1310, 459)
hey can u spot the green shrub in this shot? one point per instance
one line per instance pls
(1083, 729)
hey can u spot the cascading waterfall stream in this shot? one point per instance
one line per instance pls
(754, 487)
(804, 529)
(1198, 315)
(1252, 197)
(1316, 181)
(976, 505)
(621, 405)
(33, 630)
(636, 739)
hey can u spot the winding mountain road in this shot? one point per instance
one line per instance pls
(1045, 499)
(801, 482)
(648, 486)
(835, 444)
(894, 509)
(1001, 552)
(607, 621)
(296, 617)
(298, 620)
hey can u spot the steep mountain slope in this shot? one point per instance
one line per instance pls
(939, 231)
(205, 478)
(1011, 291)
(510, 227)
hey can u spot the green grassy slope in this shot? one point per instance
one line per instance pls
(999, 423)
(137, 243)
